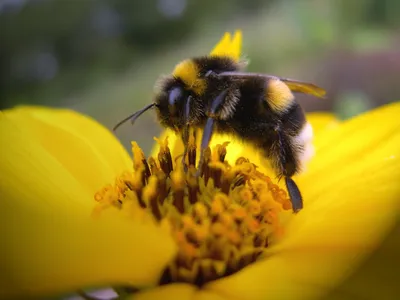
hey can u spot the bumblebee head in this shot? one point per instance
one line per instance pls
(190, 78)
(171, 97)
(173, 91)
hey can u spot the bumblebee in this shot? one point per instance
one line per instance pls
(214, 93)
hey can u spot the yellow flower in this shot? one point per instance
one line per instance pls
(55, 239)
(51, 164)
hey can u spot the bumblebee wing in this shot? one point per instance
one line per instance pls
(294, 85)
(304, 87)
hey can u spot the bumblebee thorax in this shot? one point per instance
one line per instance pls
(188, 72)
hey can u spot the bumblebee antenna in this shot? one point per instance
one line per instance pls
(133, 117)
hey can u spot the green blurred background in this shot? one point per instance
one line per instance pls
(103, 57)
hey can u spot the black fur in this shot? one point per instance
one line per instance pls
(215, 64)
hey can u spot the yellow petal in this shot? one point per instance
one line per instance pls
(84, 147)
(230, 47)
(236, 45)
(342, 222)
(322, 121)
(373, 123)
(49, 242)
(223, 44)
(368, 137)
(377, 278)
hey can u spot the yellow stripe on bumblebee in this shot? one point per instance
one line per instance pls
(188, 72)
(278, 95)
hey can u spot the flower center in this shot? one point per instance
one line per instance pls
(222, 220)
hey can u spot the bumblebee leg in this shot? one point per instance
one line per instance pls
(209, 127)
(205, 141)
(185, 132)
(294, 194)
(287, 165)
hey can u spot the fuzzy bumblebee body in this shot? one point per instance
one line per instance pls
(279, 130)
(260, 110)
(214, 94)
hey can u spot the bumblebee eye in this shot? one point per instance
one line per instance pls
(174, 95)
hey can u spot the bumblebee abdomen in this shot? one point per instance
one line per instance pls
(298, 135)
(278, 95)
(282, 136)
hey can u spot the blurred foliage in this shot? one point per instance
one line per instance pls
(79, 40)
